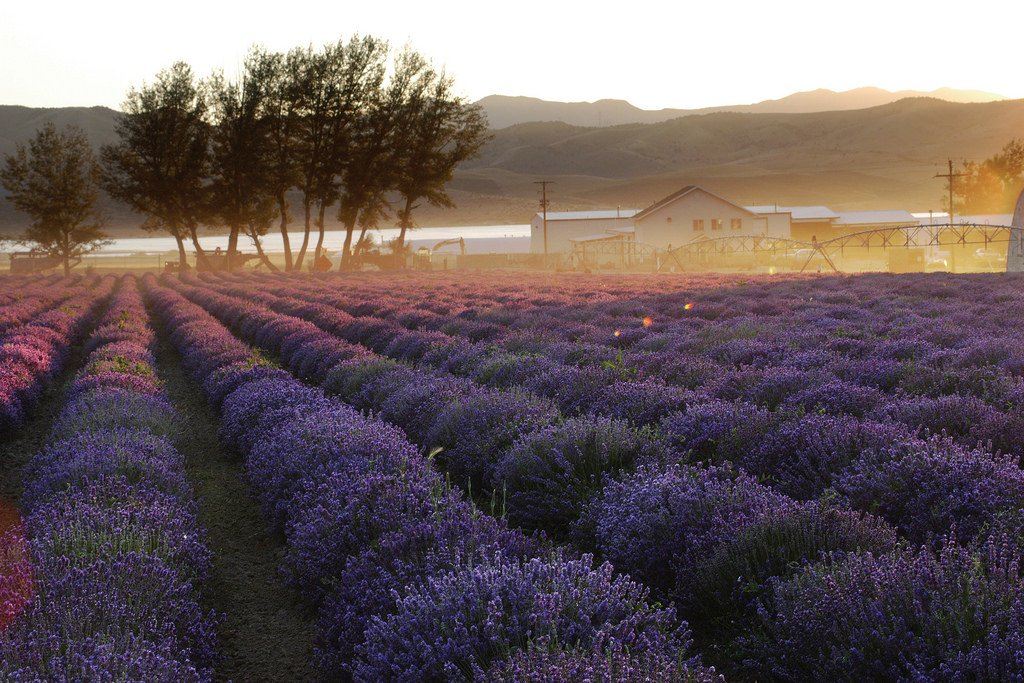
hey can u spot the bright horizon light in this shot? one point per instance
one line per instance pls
(655, 55)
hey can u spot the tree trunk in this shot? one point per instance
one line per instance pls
(320, 224)
(404, 221)
(232, 247)
(263, 256)
(346, 256)
(306, 205)
(359, 242)
(201, 261)
(282, 205)
(64, 255)
(182, 256)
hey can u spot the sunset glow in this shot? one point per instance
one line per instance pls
(67, 54)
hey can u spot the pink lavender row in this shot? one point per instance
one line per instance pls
(32, 353)
(14, 285)
(23, 298)
(395, 561)
(732, 527)
(117, 553)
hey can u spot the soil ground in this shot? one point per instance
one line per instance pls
(16, 452)
(265, 635)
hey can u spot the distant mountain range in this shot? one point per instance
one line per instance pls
(883, 156)
(503, 111)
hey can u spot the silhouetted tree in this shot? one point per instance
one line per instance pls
(440, 131)
(978, 189)
(331, 89)
(160, 165)
(280, 116)
(990, 186)
(54, 181)
(370, 157)
(360, 72)
(241, 193)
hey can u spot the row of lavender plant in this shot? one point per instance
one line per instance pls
(600, 390)
(410, 582)
(802, 457)
(631, 515)
(858, 460)
(506, 445)
(549, 475)
(24, 297)
(35, 350)
(813, 382)
(858, 418)
(833, 302)
(117, 554)
(699, 341)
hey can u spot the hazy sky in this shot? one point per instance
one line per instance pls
(669, 53)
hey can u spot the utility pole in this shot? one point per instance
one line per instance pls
(544, 208)
(950, 177)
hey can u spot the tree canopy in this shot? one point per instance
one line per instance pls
(338, 126)
(160, 166)
(54, 180)
(992, 185)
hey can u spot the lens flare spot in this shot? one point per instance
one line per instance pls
(617, 333)
(16, 584)
(688, 306)
(647, 322)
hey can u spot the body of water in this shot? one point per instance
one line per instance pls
(480, 239)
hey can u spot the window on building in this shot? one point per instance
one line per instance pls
(736, 224)
(716, 223)
(698, 225)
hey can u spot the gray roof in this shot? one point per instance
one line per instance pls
(602, 214)
(889, 217)
(596, 238)
(678, 195)
(798, 213)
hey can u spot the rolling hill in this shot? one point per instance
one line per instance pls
(878, 157)
(503, 111)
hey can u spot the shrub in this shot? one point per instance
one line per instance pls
(906, 615)
(659, 524)
(728, 584)
(718, 431)
(605, 661)
(476, 431)
(549, 474)
(457, 624)
(803, 457)
(935, 488)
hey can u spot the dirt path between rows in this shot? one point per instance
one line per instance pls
(16, 451)
(266, 634)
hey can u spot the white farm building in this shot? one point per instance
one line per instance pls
(564, 226)
(694, 213)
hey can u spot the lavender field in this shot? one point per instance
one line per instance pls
(512, 477)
